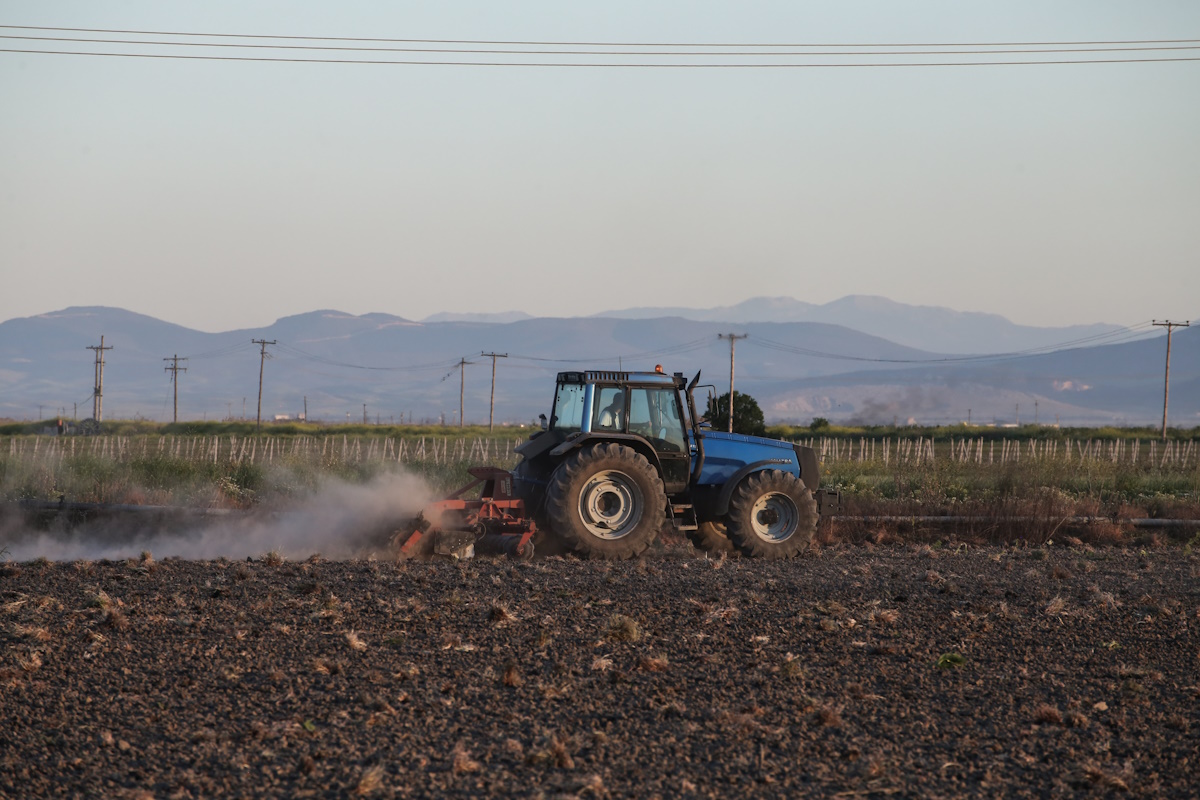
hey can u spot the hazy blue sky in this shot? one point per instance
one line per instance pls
(227, 194)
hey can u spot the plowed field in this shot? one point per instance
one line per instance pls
(852, 671)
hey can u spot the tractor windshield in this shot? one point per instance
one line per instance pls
(568, 407)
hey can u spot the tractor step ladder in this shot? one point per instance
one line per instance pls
(682, 516)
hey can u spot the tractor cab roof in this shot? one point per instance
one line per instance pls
(623, 378)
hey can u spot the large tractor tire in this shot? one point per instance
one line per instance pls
(529, 483)
(606, 501)
(712, 537)
(772, 514)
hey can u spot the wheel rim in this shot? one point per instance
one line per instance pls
(774, 517)
(610, 505)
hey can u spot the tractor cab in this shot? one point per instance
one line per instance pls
(644, 406)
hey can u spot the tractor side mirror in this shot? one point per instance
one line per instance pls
(544, 422)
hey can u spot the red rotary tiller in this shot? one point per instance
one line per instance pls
(493, 523)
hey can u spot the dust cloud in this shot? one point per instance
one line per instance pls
(339, 520)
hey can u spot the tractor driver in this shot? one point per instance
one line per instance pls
(610, 415)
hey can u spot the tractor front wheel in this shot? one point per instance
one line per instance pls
(772, 514)
(606, 501)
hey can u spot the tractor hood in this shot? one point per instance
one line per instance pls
(727, 453)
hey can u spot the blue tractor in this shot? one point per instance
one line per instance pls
(625, 453)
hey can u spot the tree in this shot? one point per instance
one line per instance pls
(747, 416)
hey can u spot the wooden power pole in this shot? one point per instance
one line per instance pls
(732, 337)
(98, 392)
(492, 403)
(1168, 324)
(462, 386)
(175, 369)
(262, 363)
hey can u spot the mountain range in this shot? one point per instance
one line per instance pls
(386, 368)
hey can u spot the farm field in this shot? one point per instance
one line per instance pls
(853, 671)
(1011, 490)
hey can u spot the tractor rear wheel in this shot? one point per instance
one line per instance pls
(772, 514)
(606, 501)
(712, 537)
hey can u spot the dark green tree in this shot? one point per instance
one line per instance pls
(747, 416)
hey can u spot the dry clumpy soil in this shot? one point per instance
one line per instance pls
(852, 671)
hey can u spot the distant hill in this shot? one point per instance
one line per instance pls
(337, 362)
(931, 328)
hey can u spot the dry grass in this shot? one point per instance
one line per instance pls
(623, 629)
(355, 642)
(500, 615)
(114, 618)
(654, 663)
(461, 761)
(1047, 714)
(31, 632)
(370, 781)
(512, 675)
(556, 752)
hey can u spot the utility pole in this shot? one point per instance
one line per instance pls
(462, 386)
(262, 363)
(98, 392)
(492, 404)
(364, 413)
(732, 337)
(175, 369)
(306, 408)
(1167, 378)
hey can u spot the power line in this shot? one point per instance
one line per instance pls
(595, 44)
(312, 356)
(601, 65)
(563, 52)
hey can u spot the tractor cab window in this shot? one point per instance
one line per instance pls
(568, 407)
(655, 414)
(609, 409)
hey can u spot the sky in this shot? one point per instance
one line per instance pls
(227, 194)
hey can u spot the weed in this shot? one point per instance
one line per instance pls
(950, 660)
(355, 642)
